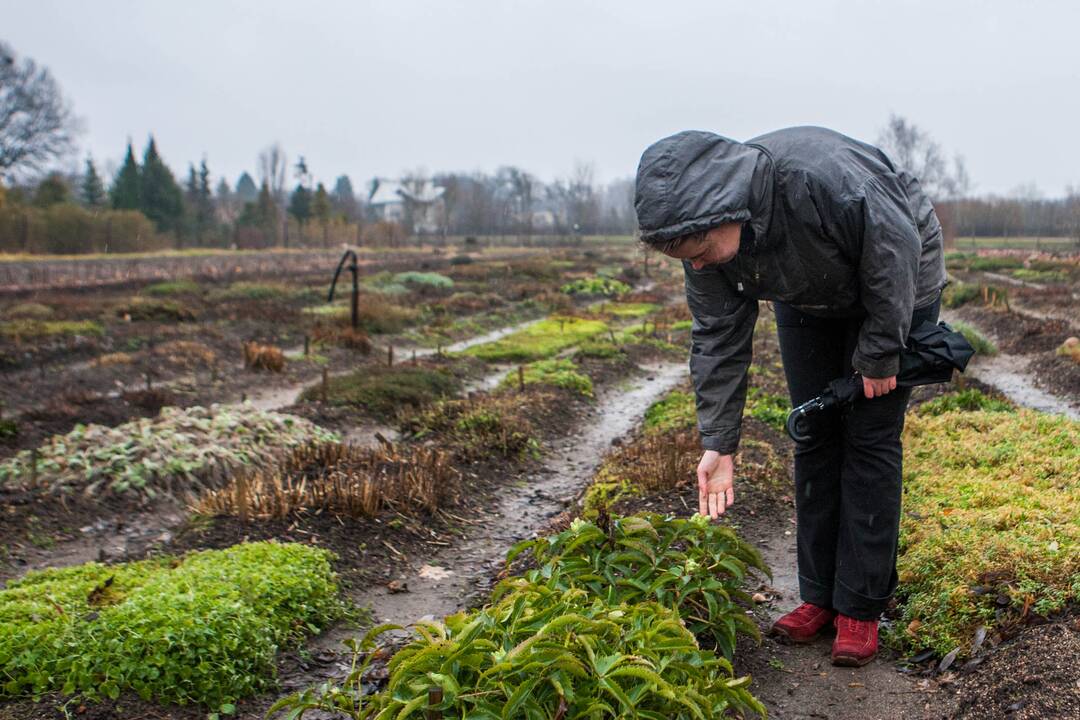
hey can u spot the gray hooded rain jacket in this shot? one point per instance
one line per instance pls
(831, 226)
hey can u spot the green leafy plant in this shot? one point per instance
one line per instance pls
(675, 411)
(173, 287)
(178, 450)
(141, 309)
(35, 329)
(203, 628)
(687, 564)
(958, 294)
(768, 408)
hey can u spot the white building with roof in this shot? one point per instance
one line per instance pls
(418, 203)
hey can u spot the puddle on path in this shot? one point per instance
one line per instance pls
(1012, 375)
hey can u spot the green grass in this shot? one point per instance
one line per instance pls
(239, 291)
(982, 344)
(383, 391)
(967, 400)
(1020, 243)
(558, 372)
(540, 340)
(429, 279)
(36, 329)
(991, 511)
(1040, 276)
(28, 311)
(204, 628)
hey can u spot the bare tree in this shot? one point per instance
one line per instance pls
(36, 123)
(272, 164)
(913, 150)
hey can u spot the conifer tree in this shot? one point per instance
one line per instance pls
(51, 191)
(320, 205)
(162, 200)
(126, 188)
(300, 204)
(246, 190)
(92, 189)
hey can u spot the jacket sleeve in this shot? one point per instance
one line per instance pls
(888, 272)
(721, 349)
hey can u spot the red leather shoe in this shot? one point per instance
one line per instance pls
(856, 641)
(803, 623)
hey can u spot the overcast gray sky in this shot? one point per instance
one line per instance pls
(368, 88)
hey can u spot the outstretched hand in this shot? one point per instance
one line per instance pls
(875, 387)
(716, 483)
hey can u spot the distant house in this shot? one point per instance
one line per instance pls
(418, 204)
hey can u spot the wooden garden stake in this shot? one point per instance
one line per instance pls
(149, 382)
(389, 356)
(325, 382)
(33, 467)
(414, 358)
(521, 377)
(434, 697)
(307, 346)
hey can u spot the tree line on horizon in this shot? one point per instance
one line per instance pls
(145, 207)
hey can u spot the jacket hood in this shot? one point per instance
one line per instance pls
(696, 180)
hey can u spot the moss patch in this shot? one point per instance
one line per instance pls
(991, 529)
(539, 340)
(32, 329)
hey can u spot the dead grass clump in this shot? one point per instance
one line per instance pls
(649, 464)
(343, 480)
(478, 428)
(187, 353)
(469, 302)
(263, 357)
(114, 359)
(1070, 349)
(554, 301)
(341, 336)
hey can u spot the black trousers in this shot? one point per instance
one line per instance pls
(848, 478)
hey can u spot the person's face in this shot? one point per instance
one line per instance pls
(719, 246)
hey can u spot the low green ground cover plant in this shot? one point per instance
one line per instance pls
(628, 310)
(982, 344)
(142, 309)
(958, 294)
(203, 628)
(991, 528)
(540, 340)
(382, 391)
(675, 411)
(767, 407)
(179, 450)
(1040, 276)
(28, 311)
(966, 400)
(557, 372)
(596, 287)
(995, 263)
(37, 329)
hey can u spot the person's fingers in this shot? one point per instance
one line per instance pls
(731, 496)
(892, 383)
(713, 511)
(702, 483)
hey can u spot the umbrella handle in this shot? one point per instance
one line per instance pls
(798, 421)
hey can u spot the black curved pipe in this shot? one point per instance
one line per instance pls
(355, 270)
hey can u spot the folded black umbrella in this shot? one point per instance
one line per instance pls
(932, 353)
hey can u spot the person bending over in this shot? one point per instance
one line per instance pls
(849, 249)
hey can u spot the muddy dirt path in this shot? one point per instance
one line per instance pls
(451, 579)
(1013, 376)
(799, 682)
